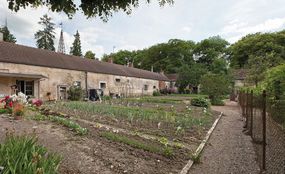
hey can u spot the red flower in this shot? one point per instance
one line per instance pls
(11, 104)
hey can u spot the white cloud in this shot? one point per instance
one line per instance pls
(187, 29)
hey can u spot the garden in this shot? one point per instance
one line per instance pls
(133, 135)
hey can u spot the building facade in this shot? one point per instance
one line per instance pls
(48, 75)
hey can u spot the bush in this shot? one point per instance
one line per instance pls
(156, 93)
(75, 93)
(187, 91)
(200, 102)
(22, 155)
(217, 102)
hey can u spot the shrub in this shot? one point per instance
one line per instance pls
(23, 155)
(156, 93)
(217, 102)
(200, 102)
(75, 93)
(215, 85)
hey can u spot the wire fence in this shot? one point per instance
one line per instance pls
(265, 123)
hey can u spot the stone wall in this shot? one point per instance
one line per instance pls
(125, 86)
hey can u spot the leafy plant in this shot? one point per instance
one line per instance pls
(166, 151)
(21, 154)
(200, 102)
(75, 93)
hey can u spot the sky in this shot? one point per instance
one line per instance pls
(150, 24)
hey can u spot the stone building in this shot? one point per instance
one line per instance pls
(48, 75)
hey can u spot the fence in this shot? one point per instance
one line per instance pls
(265, 123)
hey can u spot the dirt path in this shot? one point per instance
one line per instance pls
(229, 150)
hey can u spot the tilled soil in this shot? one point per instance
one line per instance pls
(229, 150)
(92, 154)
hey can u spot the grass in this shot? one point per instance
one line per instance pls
(63, 121)
(21, 154)
(184, 120)
(166, 151)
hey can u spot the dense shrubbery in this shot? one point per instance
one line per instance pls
(200, 102)
(75, 93)
(156, 93)
(23, 155)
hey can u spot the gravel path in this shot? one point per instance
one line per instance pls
(229, 150)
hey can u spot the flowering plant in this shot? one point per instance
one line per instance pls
(37, 102)
(20, 98)
(18, 109)
(8, 103)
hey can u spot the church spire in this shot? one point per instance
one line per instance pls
(61, 47)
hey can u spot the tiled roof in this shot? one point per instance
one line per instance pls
(18, 54)
(172, 77)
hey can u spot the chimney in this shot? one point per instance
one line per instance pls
(1, 37)
(151, 68)
(110, 60)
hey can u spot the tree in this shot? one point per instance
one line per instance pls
(257, 45)
(190, 75)
(103, 9)
(46, 36)
(215, 86)
(122, 57)
(76, 45)
(89, 55)
(7, 36)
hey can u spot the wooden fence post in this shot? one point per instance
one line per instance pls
(264, 130)
(251, 112)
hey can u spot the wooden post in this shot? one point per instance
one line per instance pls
(251, 112)
(264, 130)
(246, 110)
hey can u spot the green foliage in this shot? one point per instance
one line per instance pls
(190, 75)
(166, 151)
(63, 121)
(211, 49)
(46, 36)
(22, 155)
(122, 57)
(7, 36)
(200, 102)
(103, 9)
(217, 102)
(75, 93)
(258, 45)
(156, 93)
(275, 82)
(4, 111)
(89, 55)
(215, 85)
(76, 45)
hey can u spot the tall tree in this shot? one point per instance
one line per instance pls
(103, 9)
(45, 38)
(76, 45)
(7, 36)
(89, 55)
(257, 45)
(211, 49)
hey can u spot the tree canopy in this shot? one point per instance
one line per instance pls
(89, 55)
(45, 38)
(76, 45)
(7, 36)
(103, 9)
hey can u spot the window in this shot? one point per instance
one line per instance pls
(102, 85)
(26, 87)
(118, 80)
(145, 87)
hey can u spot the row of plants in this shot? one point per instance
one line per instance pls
(154, 100)
(165, 150)
(63, 121)
(21, 154)
(185, 120)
